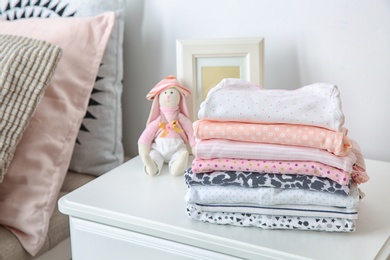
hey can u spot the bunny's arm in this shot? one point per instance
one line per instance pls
(149, 134)
(186, 124)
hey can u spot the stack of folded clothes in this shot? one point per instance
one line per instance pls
(274, 159)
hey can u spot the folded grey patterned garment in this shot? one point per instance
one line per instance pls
(258, 180)
(328, 224)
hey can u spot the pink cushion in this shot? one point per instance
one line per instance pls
(29, 191)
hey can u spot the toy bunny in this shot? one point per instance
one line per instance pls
(168, 129)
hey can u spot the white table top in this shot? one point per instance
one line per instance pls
(128, 198)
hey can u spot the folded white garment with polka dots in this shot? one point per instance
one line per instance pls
(318, 104)
(206, 194)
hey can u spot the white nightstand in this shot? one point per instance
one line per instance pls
(126, 214)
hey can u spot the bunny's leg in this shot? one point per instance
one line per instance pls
(179, 162)
(158, 161)
(150, 167)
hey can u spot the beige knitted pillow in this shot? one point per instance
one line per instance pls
(26, 67)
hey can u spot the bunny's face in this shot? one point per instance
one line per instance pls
(169, 97)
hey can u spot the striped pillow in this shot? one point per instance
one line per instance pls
(26, 67)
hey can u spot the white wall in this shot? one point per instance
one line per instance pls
(344, 42)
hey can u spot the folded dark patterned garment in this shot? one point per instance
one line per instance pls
(270, 180)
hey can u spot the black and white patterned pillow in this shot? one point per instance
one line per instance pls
(99, 145)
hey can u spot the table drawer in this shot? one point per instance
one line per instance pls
(92, 240)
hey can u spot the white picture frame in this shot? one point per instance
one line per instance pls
(224, 56)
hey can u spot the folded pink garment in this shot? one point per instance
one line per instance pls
(221, 148)
(278, 167)
(317, 104)
(359, 173)
(287, 134)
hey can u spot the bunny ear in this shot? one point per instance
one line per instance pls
(154, 111)
(183, 105)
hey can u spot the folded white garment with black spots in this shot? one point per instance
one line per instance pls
(328, 224)
(281, 210)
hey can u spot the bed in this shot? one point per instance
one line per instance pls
(70, 131)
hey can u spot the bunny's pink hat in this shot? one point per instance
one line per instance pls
(167, 82)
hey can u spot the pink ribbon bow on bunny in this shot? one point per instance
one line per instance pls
(174, 125)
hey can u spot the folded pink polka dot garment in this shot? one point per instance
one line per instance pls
(268, 166)
(317, 105)
(359, 174)
(298, 135)
(222, 148)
